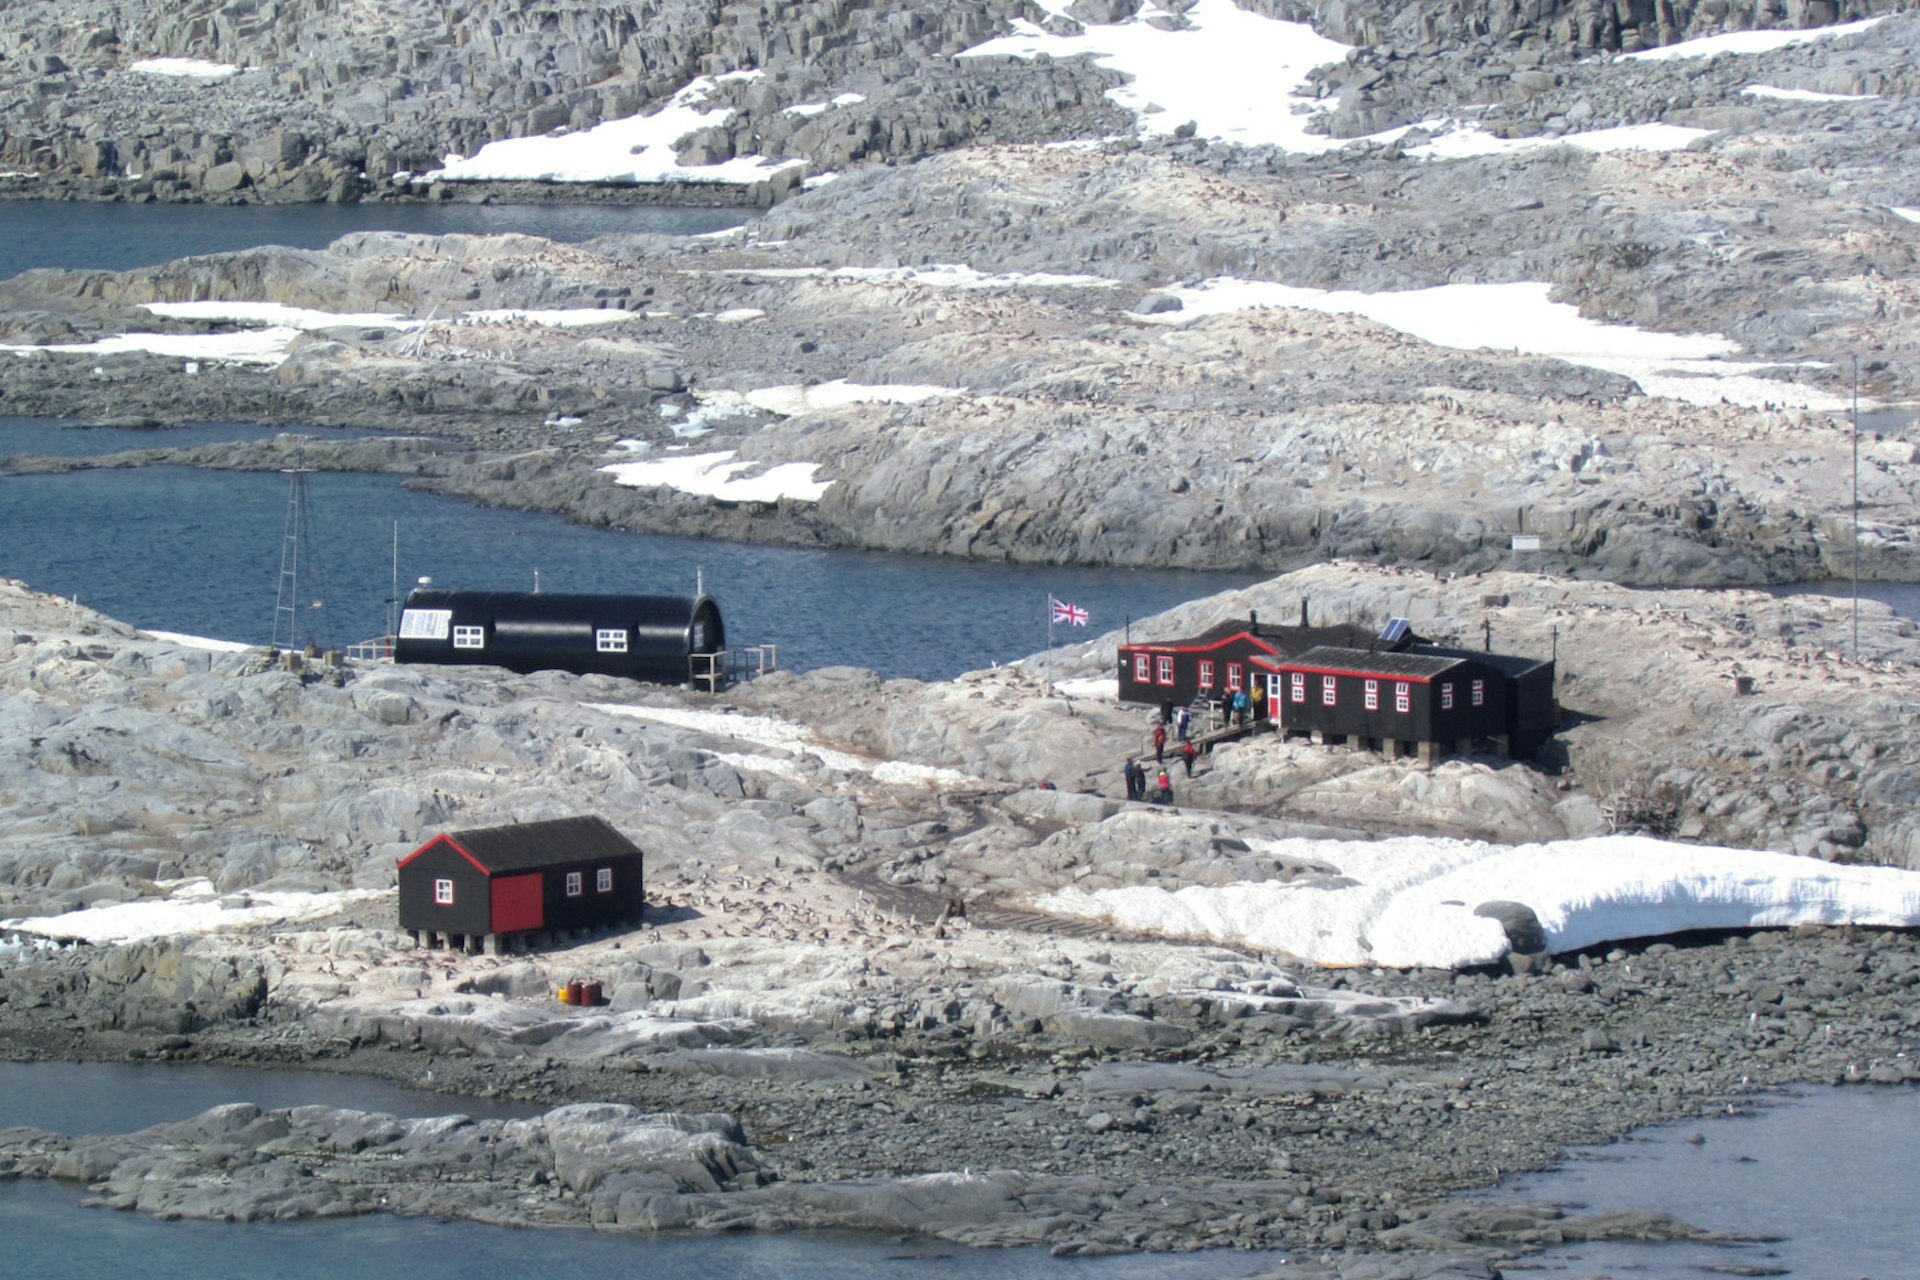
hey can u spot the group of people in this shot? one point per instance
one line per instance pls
(1136, 775)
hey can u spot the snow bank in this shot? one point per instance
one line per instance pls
(186, 68)
(1745, 42)
(783, 735)
(1804, 95)
(940, 275)
(1522, 319)
(1408, 902)
(717, 475)
(251, 346)
(192, 908)
(1236, 76)
(635, 149)
(276, 314)
(198, 642)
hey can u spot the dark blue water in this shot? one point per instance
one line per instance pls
(117, 237)
(122, 1097)
(75, 439)
(180, 549)
(45, 1231)
(1830, 1170)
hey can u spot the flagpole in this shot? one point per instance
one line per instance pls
(1049, 644)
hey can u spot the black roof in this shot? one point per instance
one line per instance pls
(1507, 664)
(525, 845)
(1373, 662)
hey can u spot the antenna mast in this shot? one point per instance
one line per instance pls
(296, 548)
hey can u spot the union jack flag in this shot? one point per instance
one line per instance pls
(1071, 614)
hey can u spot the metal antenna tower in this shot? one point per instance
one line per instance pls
(294, 602)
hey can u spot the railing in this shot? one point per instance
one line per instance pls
(379, 649)
(715, 671)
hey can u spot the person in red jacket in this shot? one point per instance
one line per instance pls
(1160, 743)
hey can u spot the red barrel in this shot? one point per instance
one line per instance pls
(590, 994)
(576, 992)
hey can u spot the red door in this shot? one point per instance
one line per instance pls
(518, 904)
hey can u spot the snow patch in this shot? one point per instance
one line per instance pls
(1521, 318)
(191, 908)
(636, 149)
(1409, 902)
(1746, 42)
(186, 68)
(717, 475)
(198, 642)
(766, 731)
(1804, 95)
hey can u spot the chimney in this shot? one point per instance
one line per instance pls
(1253, 620)
(1303, 611)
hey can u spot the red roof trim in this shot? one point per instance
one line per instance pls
(1256, 641)
(1358, 673)
(452, 844)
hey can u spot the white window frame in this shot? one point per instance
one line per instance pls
(1402, 697)
(1446, 696)
(1297, 684)
(1329, 691)
(575, 884)
(443, 893)
(1206, 673)
(1373, 695)
(1163, 670)
(1479, 689)
(1143, 668)
(469, 637)
(610, 640)
(1236, 678)
(603, 880)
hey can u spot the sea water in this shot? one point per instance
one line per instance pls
(1824, 1174)
(46, 1230)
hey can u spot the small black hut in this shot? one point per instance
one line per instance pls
(497, 882)
(641, 637)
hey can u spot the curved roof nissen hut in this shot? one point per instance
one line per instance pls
(640, 637)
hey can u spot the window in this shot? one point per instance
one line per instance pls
(469, 637)
(573, 884)
(1446, 697)
(1235, 677)
(1479, 693)
(425, 624)
(1373, 695)
(1329, 691)
(1164, 674)
(1142, 668)
(443, 892)
(610, 640)
(1298, 686)
(1402, 697)
(1206, 675)
(603, 880)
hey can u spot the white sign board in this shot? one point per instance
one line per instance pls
(1526, 542)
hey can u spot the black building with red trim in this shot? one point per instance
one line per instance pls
(1426, 701)
(494, 883)
(1225, 659)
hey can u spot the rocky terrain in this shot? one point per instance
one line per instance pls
(843, 970)
(1094, 410)
(989, 344)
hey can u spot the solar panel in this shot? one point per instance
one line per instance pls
(1396, 631)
